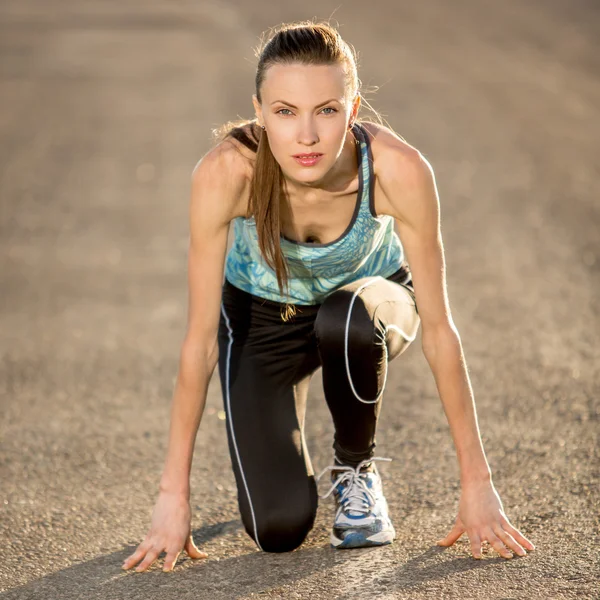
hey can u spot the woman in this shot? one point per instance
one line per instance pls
(316, 277)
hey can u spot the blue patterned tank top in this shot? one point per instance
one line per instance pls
(369, 246)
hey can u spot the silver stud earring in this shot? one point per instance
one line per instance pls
(262, 127)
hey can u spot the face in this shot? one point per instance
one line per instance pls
(305, 110)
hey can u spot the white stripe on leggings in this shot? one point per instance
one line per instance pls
(393, 327)
(230, 420)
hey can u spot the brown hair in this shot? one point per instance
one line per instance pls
(301, 42)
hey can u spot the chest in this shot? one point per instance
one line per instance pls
(321, 219)
(326, 217)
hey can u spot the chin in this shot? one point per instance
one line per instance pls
(309, 175)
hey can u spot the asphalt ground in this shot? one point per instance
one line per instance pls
(106, 107)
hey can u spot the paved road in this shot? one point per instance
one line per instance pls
(107, 107)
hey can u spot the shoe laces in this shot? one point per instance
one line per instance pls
(356, 496)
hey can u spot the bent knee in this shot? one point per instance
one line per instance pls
(333, 329)
(284, 532)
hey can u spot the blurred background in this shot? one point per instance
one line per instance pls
(107, 107)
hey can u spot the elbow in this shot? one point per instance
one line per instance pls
(443, 337)
(198, 355)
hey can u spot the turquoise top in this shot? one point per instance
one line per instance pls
(369, 246)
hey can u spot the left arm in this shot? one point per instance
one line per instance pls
(411, 198)
(417, 214)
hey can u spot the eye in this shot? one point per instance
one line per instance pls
(326, 108)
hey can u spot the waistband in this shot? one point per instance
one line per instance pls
(230, 291)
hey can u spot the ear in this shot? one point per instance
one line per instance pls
(257, 109)
(356, 106)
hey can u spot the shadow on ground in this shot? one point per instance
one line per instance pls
(254, 573)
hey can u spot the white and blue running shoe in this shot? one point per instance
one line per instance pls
(361, 518)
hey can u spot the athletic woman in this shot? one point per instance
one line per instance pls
(317, 277)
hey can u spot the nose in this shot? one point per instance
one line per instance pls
(307, 133)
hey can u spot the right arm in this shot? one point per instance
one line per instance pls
(212, 206)
(219, 185)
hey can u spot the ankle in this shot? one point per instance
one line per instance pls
(366, 468)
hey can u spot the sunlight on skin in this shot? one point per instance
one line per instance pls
(308, 108)
(305, 108)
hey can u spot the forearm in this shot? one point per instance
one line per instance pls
(187, 407)
(444, 354)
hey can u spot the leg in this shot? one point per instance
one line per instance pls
(360, 328)
(264, 391)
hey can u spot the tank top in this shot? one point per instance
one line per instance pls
(369, 246)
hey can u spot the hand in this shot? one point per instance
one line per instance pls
(170, 531)
(482, 516)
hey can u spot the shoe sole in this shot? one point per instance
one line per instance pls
(356, 539)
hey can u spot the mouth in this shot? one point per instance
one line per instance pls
(308, 160)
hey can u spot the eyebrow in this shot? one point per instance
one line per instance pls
(318, 105)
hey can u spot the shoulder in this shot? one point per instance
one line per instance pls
(400, 169)
(245, 153)
(387, 146)
(222, 178)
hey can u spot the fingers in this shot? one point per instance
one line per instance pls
(476, 541)
(136, 556)
(503, 542)
(192, 549)
(171, 559)
(497, 545)
(454, 534)
(173, 555)
(150, 553)
(502, 536)
(509, 540)
(475, 545)
(516, 534)
(151, 556)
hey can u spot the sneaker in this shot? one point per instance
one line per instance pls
(361, 518)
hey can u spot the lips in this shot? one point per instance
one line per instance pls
(308, 160)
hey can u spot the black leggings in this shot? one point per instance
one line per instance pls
(265, 366)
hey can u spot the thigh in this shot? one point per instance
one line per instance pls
(264, 393)
(391, 307)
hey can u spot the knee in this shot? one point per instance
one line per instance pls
(332, 324)
(284, 531)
